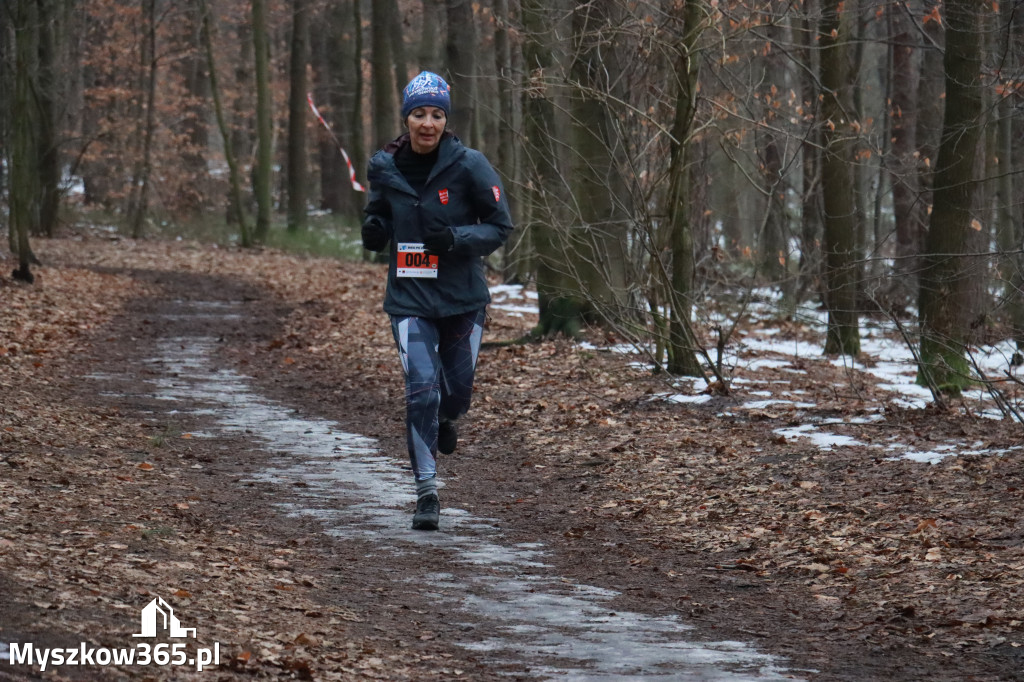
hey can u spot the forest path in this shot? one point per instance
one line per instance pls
(230, 438)
(468, 585)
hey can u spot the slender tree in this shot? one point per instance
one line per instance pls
(902, 84)
(138, 207)
(24, 181)
(946, 269)
(264, 121)
(596, 240)
(385, 108)
(234, 176)
(838, 200)
(682, 345)
(431, 44)
(461, 47)
(298, 117)
(47, 104)
(191, 69)
(805, 28)
(559, 297)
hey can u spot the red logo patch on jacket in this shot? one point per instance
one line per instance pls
(442, 194)
(497, 193)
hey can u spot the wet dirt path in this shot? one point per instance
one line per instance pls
(498, 600)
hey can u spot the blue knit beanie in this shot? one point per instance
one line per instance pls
(426, 90)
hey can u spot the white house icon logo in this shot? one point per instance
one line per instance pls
(150, 620)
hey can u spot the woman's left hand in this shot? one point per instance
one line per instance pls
(439, 241)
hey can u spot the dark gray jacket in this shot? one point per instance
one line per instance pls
(463, 193)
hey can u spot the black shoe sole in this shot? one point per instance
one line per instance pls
(426, 523)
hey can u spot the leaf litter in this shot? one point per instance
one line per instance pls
(843, 542)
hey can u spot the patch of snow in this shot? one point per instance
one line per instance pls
(767, 363)
(693, 399)
(821, 439)
(516, 310)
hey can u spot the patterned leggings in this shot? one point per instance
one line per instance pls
(439, 358)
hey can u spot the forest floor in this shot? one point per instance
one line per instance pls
(814, 513)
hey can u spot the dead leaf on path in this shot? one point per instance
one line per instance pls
(924, 525)
(306, 640)
(146, 466)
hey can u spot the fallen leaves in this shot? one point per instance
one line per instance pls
(909, 555)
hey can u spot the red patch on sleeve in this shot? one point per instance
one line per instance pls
(497, 193)
(442, 194)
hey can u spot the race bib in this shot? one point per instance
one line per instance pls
(414, 261)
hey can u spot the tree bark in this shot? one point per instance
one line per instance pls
(139, 205)
(431, 42)
(543, 128)
(682, 344)
(517, 261)
(47, 94)
(837, 183)
(810, 175)
(460, 50)
(385, 110)
(24, 188)
(234, 176)
(264, 122)
(946, 271)
(298, 117)
(903, 175)
(597, 240)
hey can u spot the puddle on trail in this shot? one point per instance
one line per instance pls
(557, 628)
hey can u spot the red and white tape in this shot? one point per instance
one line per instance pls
(351, 170)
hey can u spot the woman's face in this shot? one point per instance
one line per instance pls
(425, 127)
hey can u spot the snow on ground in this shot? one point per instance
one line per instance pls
(514, 299)
(884, 356)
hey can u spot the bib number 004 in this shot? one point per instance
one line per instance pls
(414, 261)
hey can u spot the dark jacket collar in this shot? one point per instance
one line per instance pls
(451, 150)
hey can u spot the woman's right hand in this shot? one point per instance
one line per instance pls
(375, 234)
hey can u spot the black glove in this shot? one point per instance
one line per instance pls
(375, 234)
(439, 241)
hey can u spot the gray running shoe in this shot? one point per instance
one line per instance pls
(428, 513)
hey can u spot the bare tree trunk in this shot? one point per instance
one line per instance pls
(193, 127)
(431, 41)
(264, 122)
(46, 98)
(773, 242)
(559, 298)
(460, 50)
(399, 62)
(24, 189)
(597, 240)
(139, 207)
(907, 208)
(517, 265)
(385, 109)
(946, 272)
(810, 209)
(682, 345)
(841, 269)
(298, 117)
(234, 176)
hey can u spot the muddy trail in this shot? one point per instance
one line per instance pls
(280, 527)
